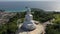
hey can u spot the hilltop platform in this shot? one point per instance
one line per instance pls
(39, 30)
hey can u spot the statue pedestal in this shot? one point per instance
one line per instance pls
(28, 27)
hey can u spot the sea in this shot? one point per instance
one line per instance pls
(18, 6)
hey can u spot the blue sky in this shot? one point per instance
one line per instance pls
(29, 0)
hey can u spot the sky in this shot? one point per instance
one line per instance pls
(29, 0)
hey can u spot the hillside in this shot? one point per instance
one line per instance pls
(38, 14)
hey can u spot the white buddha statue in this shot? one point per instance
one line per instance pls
(28, 23)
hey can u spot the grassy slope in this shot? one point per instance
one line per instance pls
(54, 29)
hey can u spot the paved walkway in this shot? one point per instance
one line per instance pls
(39, 29)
